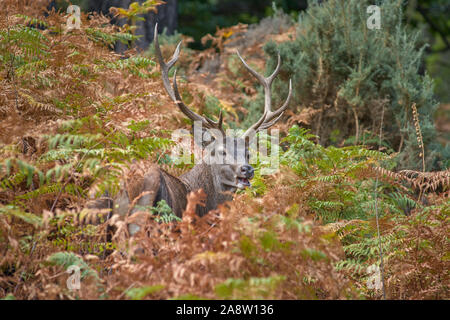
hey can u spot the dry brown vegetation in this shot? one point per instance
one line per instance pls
(73, 117)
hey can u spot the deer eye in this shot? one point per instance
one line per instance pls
(221, 151)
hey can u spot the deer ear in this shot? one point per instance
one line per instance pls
(204, 139)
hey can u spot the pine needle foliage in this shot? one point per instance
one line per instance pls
(348, 73)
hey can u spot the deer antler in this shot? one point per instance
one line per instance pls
(173, 91)
(269, 117)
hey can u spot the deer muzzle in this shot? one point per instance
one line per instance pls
(246, 174)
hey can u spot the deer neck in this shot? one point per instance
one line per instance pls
(207, 177)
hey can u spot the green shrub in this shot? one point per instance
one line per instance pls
(356, 79)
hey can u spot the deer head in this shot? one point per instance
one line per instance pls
(231, 166)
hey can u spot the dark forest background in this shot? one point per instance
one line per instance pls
(197, 18)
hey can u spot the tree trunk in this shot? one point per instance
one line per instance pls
(166, 17)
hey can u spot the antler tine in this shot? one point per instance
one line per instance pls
(166, 67)
(278, 113)
(208, 123)
(269, 117)
(174, 93)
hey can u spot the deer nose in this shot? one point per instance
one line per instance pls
(247, 170)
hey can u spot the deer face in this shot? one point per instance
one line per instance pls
(230, 157)
(230, 154)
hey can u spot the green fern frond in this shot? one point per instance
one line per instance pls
(67, 259)
(141, 292)
(253, 288)
(33, 21)
(13, 211)
(23, 168)
(98, 36)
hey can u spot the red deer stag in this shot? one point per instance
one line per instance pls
(218, 180)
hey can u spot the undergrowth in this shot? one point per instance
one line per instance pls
(76, 118)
